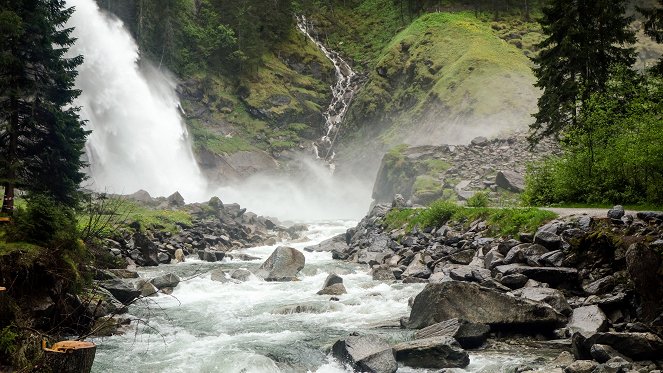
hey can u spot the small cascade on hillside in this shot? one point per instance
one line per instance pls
(342, 92)
(138, 139)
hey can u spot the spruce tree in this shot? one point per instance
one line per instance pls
(653, 26)
(41, 135)
(584, 40)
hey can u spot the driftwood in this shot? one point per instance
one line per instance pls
(69, 356)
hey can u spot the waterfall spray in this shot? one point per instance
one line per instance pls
(138, 139)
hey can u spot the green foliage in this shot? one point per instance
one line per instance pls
(41, 136)
(501, 222)
(479, 199)
(7, 342)
(166, 220)
(653, 26)
(616, 154)
(44, 222)
(584, 40)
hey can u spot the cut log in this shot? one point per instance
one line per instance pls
(70, 356)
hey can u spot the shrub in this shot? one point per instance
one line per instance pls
(479, 199)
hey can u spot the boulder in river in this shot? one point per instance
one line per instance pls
(168, 280)
(121, 290)
(588, 320)
(433, 352)
(333, 285)
(283, 265)
(474, 303)
(336, 243)
(365, 353)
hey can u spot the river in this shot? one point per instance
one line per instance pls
(208, 326)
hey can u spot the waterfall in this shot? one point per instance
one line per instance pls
(342, 93)
(138, 139)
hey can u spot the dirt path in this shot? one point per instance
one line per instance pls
(595, 212)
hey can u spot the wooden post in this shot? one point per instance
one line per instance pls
(70, 356)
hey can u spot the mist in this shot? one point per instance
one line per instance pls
(312, 194)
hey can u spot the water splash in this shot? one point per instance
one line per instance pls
(138, 139)
(342, 94)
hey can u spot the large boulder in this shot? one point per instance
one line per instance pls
(510, 180)
(588, 320)
(555, 276)
(283, 265)
(365, 353)
(336, 243)
(643, 266)
(121, 290)
(148, 250)
(468, 334)
(434, 352)
(477, 304)
(417, 267)
(168, 280)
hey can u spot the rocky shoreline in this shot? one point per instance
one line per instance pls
(593, 285)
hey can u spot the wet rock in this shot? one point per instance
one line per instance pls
(179, 256)
(121, 290)
(603, 353)
(123, 273)
(333, 285)
(219, 275)
(100, 302)
(600, 286)
(163, 258)
(471, 302)
(336, 243)
(283, 265)
(302, 308)
(147, 289)
(588, 320)
(365, 353)
(241, 274)
(469, 335)
(434, 352)
(168, 280)
(550, 241)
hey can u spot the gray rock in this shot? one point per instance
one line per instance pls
(399, 202)
(600, 286)
(469, 335)
(365, 353)
(614, 365)
(383, 273)
(555, 276)
(581, 366)
(283, 265)
(336, 243)
(175, 199)
(121, 290)
(124, 273)
(471, 302)
(147, 289)
(434, 352)
(241, 274)
(637, 346)
(163, 258)
(552, 297)
(479, 141)
(588, 320)
(603, 353)
(100, 302)
(510, 180)
(417, 267)
(616, 212)
(333, 285)
(219, 275)
(550, 241)
(514, 281)
(168, 280)
(462, 257)
(553, 258)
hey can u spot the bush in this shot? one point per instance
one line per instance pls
(44, 222)
(479, 199)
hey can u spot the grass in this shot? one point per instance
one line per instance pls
(445, 65)
(501, 222)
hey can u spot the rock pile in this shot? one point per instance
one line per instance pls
(426, 173)
(598, 281)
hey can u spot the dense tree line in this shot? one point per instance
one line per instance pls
(607, 116)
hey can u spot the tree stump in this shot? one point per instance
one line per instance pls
(70, 356)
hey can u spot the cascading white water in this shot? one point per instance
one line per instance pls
(138, 140)
(342, 93)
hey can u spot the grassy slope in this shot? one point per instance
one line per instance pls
(444, 65)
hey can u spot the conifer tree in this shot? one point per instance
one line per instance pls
(41, 135)
(584, 40)
(653, 26)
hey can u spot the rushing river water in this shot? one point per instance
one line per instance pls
(208, 326)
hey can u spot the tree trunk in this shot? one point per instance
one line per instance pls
(70, 356)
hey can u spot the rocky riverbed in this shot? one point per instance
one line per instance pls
(592, 284)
